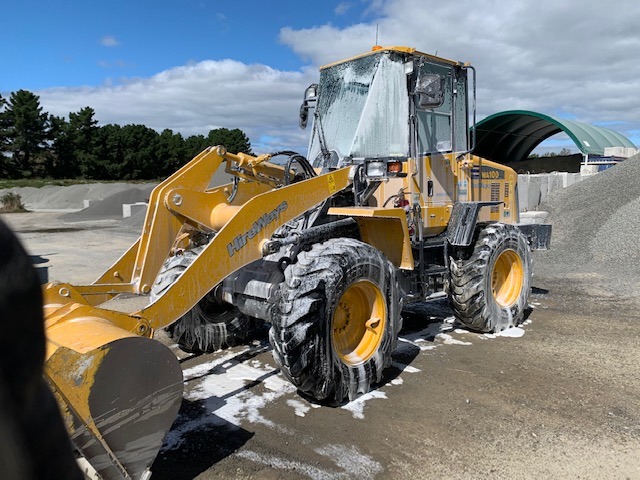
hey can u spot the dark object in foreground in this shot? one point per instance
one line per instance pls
(33, 440)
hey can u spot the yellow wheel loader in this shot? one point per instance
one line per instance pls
(389, 207)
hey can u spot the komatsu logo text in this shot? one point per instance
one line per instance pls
(241, 240)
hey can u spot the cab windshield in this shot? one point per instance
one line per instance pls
(362, 111)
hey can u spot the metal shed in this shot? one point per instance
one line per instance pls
(510, 136)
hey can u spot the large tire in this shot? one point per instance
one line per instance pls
(210, 325)
(489, 291)
(338, 322)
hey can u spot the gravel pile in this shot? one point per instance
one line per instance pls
(111, 206)
(54, 197)
(135, 221)
(596, 224)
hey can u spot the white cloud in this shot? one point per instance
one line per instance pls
(551, 56)
(109, 41)
(342, 8)
(193, 99)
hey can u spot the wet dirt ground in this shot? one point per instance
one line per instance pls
(558, 397)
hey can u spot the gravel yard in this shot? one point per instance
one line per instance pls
(596, 223)
(554, 398)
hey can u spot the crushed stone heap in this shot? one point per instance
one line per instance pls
(596, 223)
(111, 206)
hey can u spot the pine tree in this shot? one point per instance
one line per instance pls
(25, 129)
(83, 132)
(236, 141)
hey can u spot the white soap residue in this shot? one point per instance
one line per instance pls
(301, 407)
(356, 407)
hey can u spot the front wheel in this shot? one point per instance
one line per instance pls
(489, 291)
(211, 324)
(338, 321)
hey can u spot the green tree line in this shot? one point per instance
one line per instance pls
(34, 143)
(565, 152)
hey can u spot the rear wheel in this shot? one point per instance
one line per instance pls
(211, 324)
(489, 291)
(339, 320)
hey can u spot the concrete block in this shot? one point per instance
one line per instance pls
(523, 192)
(555, 183)
(535, 189)
(534, 197)
(573, 178)
(562, 179)
(129, 209)
(544, 188)
(586, 170)
(621, 152)
(537, 217)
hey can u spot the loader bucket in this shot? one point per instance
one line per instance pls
(119, 393)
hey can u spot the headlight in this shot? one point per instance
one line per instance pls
(376, 169)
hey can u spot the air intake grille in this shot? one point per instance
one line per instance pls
(495, 196)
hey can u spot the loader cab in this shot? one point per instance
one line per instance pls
(388, 105)
(440, 102)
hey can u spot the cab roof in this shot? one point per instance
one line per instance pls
(407, 50)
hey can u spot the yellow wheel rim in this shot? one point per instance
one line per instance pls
(507, 278)
(358, 322)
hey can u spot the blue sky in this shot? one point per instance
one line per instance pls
(73, 43)
(194, 65)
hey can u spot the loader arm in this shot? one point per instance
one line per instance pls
(119, 390)
(239, 241)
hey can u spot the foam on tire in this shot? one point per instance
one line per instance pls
(210, 325)
(301, 333)
(470, 292)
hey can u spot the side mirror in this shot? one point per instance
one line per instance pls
(430, 89)
(311, 93)
(304, 116)
(309, 101)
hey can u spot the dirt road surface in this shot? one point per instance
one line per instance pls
(558, 397)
